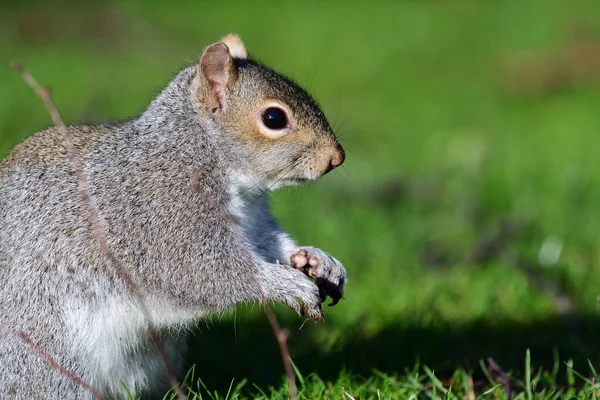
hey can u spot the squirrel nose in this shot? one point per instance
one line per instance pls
(336, 158)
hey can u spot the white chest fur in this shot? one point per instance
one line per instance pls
(249, 205)
(113, 340)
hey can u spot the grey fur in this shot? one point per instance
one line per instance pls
(181, 199)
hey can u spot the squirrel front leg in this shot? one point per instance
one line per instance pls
(276, 246)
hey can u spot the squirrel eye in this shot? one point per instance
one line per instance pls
(274, 118)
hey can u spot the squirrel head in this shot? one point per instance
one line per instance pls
(281, 133)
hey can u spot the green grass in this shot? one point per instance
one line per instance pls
(460, 178)
(416, 383)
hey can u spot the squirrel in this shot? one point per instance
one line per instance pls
(181, 194)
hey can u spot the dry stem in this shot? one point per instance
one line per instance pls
(281, 336)
(53, 363)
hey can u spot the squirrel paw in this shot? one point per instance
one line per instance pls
(305, 298)
(330, 274)
(292, 288)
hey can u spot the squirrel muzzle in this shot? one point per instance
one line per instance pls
(333, 157)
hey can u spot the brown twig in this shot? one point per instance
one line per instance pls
(281, 336)
(501, 376)
(94, 219)
(53, 363)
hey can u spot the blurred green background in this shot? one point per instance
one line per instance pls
(467, 210)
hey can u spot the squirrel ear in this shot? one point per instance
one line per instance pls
(217, 71)
(236, 46)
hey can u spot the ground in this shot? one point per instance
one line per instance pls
(465, 213)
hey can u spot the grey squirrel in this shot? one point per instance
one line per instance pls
(180, 191)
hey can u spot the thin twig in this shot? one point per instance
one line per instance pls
(281, 336)
(94, 219)
(501, 376)
(53, 363)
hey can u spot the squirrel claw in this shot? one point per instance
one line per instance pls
(314, 313)
(326, 288)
